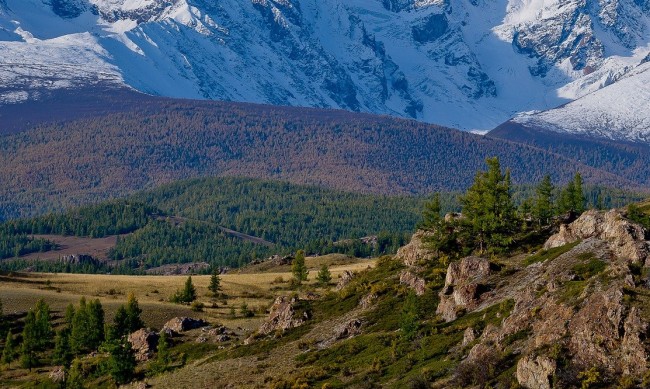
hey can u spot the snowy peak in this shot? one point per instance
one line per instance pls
(470, 64)
(617, 112)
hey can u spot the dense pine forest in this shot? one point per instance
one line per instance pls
(193, 221)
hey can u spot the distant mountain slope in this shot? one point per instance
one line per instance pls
(620, 111)
(468, 64)
(58, 165)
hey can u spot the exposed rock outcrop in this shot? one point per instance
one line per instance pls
(283, 316)
(464, 285)
(349, 329)
(578, 306)
(57, 375)
(416, 283)
(536, 372)
(346, 277)
(144, 343)
(626, 239)
(182, 324)
(415, 251)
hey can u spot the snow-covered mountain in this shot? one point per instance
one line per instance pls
(470, 64)
(620, 111)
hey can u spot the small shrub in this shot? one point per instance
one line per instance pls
(197, 306)
(589, 377)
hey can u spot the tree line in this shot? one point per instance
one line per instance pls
(491, 222)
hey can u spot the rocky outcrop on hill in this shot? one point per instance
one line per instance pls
(179, 269)
(182, 324)
(144, 343)
(415, 251)
(346, 277)
(410, 279)
(464, 285)
(284, 315)
(626, 239)
(580, 310)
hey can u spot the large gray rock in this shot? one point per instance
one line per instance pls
(415, 251)
(416, 283)
(625, 238)
(283, 316)
(464, 285)
(144, 343)
(535, 372)
(182, 324)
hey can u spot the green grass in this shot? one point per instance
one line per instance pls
(571, 291)
(550, 254)
(590, 267)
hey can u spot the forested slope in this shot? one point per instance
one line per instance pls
(53, 166)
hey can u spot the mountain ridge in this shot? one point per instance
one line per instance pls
(463, 64)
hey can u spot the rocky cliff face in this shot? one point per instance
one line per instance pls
(467, 64)
(584, 308)
(581, 309)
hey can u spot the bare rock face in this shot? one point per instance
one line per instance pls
(283, 316)
(368, 300)
(348, 330)
(468, 336)
(144, 343)
(346, 277)
(463, 286)
(626, 239)
(415, 251)
(414, 282)
(58, 375)
(536, 372)
(182, 324)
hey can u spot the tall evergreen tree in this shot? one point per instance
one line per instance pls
(62, 351)
(488, 209)
(9, 351)
(121, 361)
(42, 326)
(79, 334)
(28, 348)
(95, 324)
(409, 317)
(324, 276)
(215, 282)
(121, 324)
(299, 268)
(572, 197)
(189, 291)
(163, 356)
(133, 311)
(431, 218)
(543, 209)
(69, 315)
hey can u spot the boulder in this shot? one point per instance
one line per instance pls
(536, 372)
(348, 330)
(468, 336)
(144, 343)
(283, 316)
(58, 374)
(416, 283)
(415, 251)
(626, 239)
(368, 300)
(464, 286)
(182, 324)
(346, 277)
